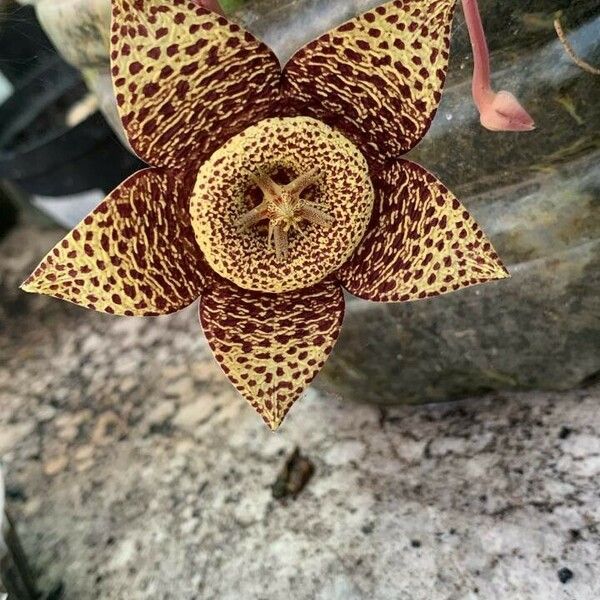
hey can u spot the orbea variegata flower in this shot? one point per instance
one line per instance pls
(270, 191)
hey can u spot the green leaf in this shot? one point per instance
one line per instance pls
(231, 5)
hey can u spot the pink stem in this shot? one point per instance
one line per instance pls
(482, 85)
(499, 111)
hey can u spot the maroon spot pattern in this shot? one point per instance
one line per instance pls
(422, 242)
(135, 254)
(221, 196)
(186, 79)
(378, 77)
(271, 346)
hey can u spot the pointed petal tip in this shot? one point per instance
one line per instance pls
(31, 285)
(502, 273)
(498, 270)
(273, 425)
(274, 418)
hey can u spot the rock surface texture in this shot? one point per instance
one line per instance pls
(135, 471)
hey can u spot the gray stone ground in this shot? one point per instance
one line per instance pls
(135, 472)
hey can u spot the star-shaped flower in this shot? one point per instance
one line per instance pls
(270, 191)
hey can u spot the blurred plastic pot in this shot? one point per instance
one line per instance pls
(53, 141)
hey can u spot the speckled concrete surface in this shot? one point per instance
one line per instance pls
(135, 472)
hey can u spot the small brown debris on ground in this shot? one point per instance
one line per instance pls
(294, 476)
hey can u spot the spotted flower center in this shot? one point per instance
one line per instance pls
(282, 205)
(286, 210)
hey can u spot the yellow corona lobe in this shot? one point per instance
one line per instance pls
(282, 205)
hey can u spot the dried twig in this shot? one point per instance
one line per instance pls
(569, 50)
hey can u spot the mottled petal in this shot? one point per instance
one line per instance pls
(422, 243)
(135, 254)
(378, 77)
(271, 346)
(186, 79)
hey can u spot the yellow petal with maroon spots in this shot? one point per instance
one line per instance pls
(186, 79)
(135, 254)
(378, 77)
(271, 346)
(422, 242)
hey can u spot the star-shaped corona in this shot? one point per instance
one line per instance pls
(285, 209)
(271, 190)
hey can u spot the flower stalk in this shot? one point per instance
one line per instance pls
(499, 111)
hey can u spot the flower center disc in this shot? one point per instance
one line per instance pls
(282, 205)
